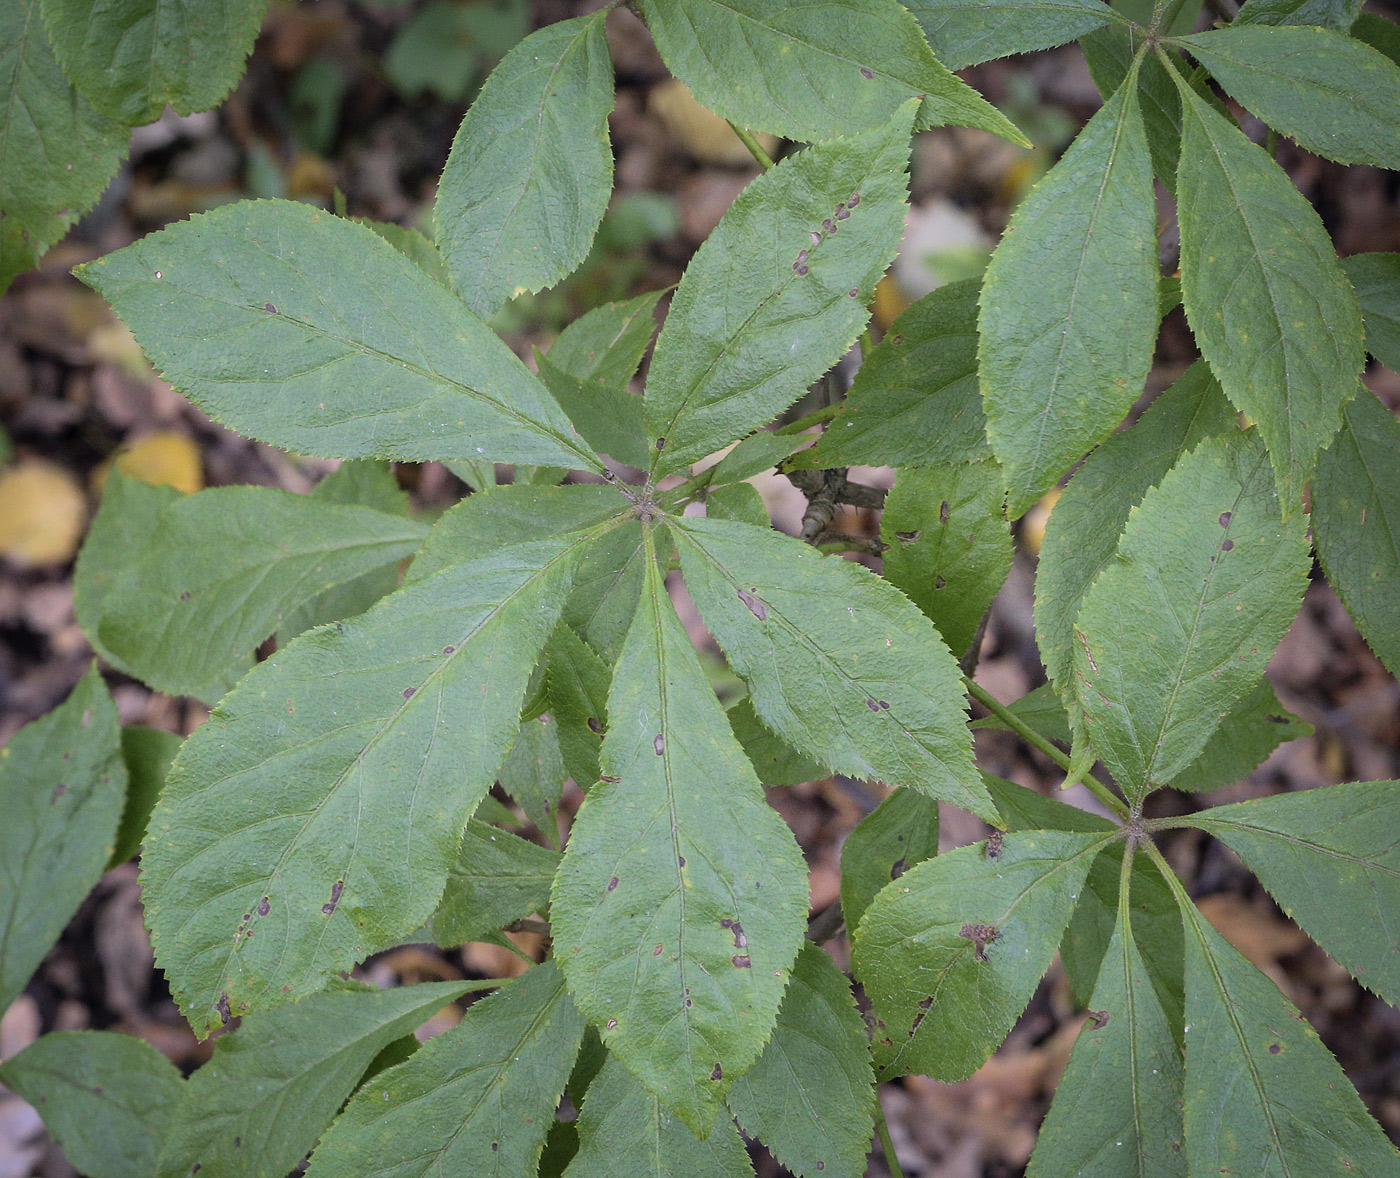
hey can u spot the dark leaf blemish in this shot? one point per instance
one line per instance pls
(1226, 545)
(741, 961)
(939, 581)
(994, 845)
(449, 650)
(610, 780)
(269, 308)
(718, 1073)
(867, 74)
(264, 905)
(660, 443)
(1225, 519)
(225, 1014)
(612, 884)
(184, 595)
(408, 692)
(909, 537)
(873, 705)
(595, 725)
(756, 607)
(659, 744)
(943, 512)
(898, 868)
(1099, 1018)
(336, 889)
(981, 935)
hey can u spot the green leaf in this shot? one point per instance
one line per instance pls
(498, 877)
(477, 1099)
(679, 907)
(147, 753)
(1041, 709)
(274, 1084)
(1328, 14)
(755, 454)
(809, 70)
(1379, 33)
(311, 332)
(365, 483)
(1290, 1110)
(62, 782)
(57, 153)
(314, 818)
(625, 1132)
(106, 1098)
(737, 501)
(1181, 626)
(413, 244)
(533, 772)
(1254, 727)
(1335, 96)
(1264, 294)
(1356, 522)
(1105, 1123)
(915, 400)
(513, 514)
(969, 32)
(230, 564)
(951, 953)
(530, 172)
(1110, 54)
(1024, 809)
(949, 545)
(577, 682)
(838, 662)
(607, 589)
(1376, 280)
(1069, 304)
(774, 760)
(607, 344)
(588, 368)
(1156, 931)
(810, 1098)
(1082, 532)
(1331, 858)
(901, 832)
(130, 59)
(777, 293)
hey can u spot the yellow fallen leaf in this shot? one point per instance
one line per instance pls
(42, 510)
(699, 130)
(1033, 524)
(167, 457)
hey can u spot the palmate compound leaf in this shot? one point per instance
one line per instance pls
(230, 564)
(132, 58)
(257, 1107)
(626, 1132)
(477, 1099)
(915, 400)
(1117, 1109)
(1333, 95)
(315, 816)
(813, 69)
(1265, 296)
(62, 782)
(810, 1098)
(1179, 628)
(839, 663)
(106, 1098)
(1356, 522)
(1082, 532)
(777, 293)
(57, 153)
(901, 832)
(951, 952)
(1069, 304)
(949, 546)
(679, 906)
(968, 32)
(1263, 1095)
(530, 172)
(1331, 858)
(311, 332)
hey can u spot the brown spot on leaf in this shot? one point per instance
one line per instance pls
(612, 884)
(854, 200)
(853, 292)
(1225, 519)
(336, 889)
(680, 860)
(828, 225)
(656, 951)
(595, 725)
(610, 780)
(873, 705)
(449, 650)
(741, 961)
(659, 744)
(58, 791)
(225, 1014)
(612, 1024)
(939, 581)
(264, 905)
(867, 74)
(981, 935)
(994, 845)
(909, 537)
(898, 868)
(1275, 1048)
(755, 607)
(717, 1073)
(661, 443)
(408, 692)
(943, 512)
(1226, 545)
(269, 308)
(184, 595)
(1099, 1018)
(884, 705)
